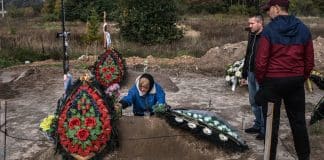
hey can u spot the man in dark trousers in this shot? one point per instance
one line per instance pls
(248, 75)
(284, 60)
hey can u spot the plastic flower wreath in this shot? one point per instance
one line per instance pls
(84, 122)
(109, 68)
(234, 73)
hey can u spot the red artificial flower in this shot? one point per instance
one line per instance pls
(95, 96)
(112, 69)
(106, 124)
(61, 130)
(106, 131)
(84, 111)
(73, 148)
(90, 122)
(87, 106)
(95, 146)
(65, 142)
(61, 120)
(85, 152)
(105, 69)
(102, 138)
(83, 134)
(108, 76)
(83, 100)
(64, 137)
(79, 106)
(74, 122)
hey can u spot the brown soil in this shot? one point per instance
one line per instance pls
(31, 92)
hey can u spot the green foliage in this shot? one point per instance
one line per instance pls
(303, 7)
(149, 21)
(15, 12)
(9, 57)
(49, 12)
(238, 9)
(48, 6)
(81, 10)
(92, 27)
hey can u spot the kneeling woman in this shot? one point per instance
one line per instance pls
(144, 95)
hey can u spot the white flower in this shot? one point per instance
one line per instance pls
(222, 137)
(238, 74)
(227, 78)
(207, 131)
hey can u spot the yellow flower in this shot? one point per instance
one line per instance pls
(45, 125)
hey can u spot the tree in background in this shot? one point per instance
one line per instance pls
(48, 6)
(92, 27)
(149, 21)
(48, 10)
(80, 9)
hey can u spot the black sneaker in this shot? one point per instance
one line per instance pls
(252, 130)
(260, 136)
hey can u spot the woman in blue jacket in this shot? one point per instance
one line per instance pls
(143, 95)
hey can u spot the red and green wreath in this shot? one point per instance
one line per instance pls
(84, 124)
(109, 68)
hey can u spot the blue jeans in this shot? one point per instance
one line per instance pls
(257, 110)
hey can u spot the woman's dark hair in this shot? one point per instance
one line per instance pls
(150, 78)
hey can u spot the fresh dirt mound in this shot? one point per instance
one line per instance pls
(217, 59)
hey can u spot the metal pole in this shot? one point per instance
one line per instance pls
(65, 44)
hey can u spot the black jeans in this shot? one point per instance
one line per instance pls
(291, 91)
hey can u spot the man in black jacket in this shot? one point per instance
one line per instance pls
(248, 74)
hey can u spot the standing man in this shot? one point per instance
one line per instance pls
(284, 61)
(248, 76)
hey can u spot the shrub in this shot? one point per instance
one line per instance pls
(149, 21)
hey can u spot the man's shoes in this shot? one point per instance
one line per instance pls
(252, 130)
(260, 136)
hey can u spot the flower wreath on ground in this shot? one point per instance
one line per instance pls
(110, 68)
(83, 125)
(234, 73)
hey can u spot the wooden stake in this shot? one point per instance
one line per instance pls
(3, 129)
(268, 135)
(309, 85)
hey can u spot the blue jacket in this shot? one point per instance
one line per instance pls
(142, 103)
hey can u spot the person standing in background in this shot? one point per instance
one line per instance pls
(284, 61)
(248, 75)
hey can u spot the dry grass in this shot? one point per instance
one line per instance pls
(202, 32)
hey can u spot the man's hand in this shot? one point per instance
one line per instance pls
(243, 82)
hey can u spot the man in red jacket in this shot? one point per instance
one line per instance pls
(284, 60)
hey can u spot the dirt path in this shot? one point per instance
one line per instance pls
(33, 97)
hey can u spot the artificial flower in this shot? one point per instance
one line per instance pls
(90, 122)
(74, 122)
(83, 134)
